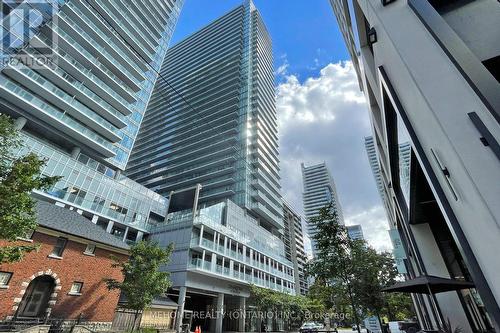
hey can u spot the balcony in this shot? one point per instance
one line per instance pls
(76, 88)
(198, 264)
(263, 211)
(78, 71)
(63, 101)
(207, 244)
(22, 98)
(121, 26)
(72, 47)
(207, 221)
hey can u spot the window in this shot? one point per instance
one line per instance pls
(118, 209)
(90, 249)
(76, 288)
(5, 278)
(76, 195)
(59, 247)
(98, 203)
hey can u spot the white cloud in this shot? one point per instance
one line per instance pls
(325, 118)
(283, 68)
(375, 226)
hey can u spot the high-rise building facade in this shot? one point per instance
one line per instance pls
(404, 166)
(293, 238)
(221, 129)
(76, 76)
(429, 71)
(355, 232)
(371, 152)
(318, 192)
(209, 143)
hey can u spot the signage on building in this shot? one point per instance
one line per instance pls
(398, 250)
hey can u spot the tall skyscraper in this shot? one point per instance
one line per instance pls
(214, 121)
(404, 161)
(355, 232)
(209, 143)
(294, 246)
(76, 76)
(374, 165)
(430, 72)
(318, 191)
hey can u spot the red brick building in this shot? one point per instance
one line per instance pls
(65, 277)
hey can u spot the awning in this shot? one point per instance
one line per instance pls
(428, 284)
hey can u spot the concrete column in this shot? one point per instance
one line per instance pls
(241, 322)
(110, 227)
(201, 235)
(203, 257)
(125, 234)
(180, 308)
(75, 152)
(214, 262)
(139, 237)
(220, 308)
(231, 267)
(19, 123)
(225, 244)
(94, 219)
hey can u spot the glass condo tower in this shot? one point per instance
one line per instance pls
(76, 76)
(213, 120)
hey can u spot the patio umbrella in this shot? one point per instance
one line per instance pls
(428, 284)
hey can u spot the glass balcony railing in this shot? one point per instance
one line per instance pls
(198, 263)
(88, 73)
(103, 52)
(93, 60)
(195, 241)
(68, 99)
(44, 107)
(104, 36)
(127, 31)
(209, 222)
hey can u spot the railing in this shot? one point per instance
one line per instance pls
(206, 220)
(198, 263)
(53, 325)
(195, 241)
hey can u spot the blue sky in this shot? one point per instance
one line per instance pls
(304, 30)
(322, 113)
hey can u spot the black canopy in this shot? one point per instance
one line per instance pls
(428, 284)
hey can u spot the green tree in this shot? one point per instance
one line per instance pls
(334, 262)
(354, 273)
(332, 296)
(399, 306)
(373, 272)
(292, 307)
(142, 278)
(18, 177)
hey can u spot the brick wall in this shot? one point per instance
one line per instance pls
(95, 302)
